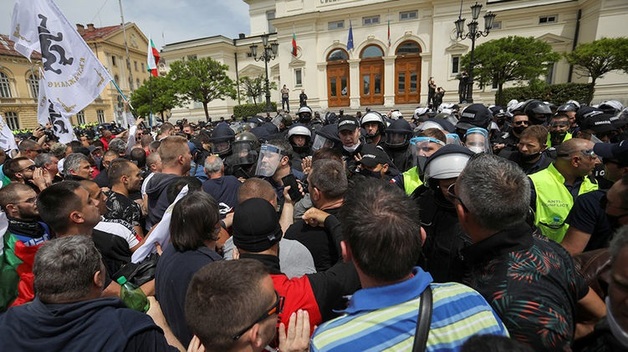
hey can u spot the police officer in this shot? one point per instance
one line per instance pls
(300, 138)
(374, 127)
(396, 144)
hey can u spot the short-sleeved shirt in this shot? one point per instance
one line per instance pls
(588, 216)
(122, 207)
(532, 284)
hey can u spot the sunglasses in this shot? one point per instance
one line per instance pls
(451, 192)
(588, 152)
(519, 123)
(276, 308)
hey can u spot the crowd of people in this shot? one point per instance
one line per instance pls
(468, 228)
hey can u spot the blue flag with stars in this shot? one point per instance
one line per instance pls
(350, 40)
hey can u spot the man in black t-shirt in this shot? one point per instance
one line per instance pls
(125, 177)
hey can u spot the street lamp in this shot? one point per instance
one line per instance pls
(270, 52)
(473, 34)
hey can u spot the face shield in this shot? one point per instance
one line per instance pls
(221, 148)
(395, 139)
(243, 153)
(322, 142)
(476, 139)
(277, 121)
(453, 138)
(422, 148)
(268, 161)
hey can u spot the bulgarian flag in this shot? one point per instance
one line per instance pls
(294, 44)
(153, 58)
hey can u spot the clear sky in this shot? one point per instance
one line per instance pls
(166, 21)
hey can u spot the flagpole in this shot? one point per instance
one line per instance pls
(126, 48)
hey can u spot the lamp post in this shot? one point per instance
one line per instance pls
(473, 34)
(270, 52)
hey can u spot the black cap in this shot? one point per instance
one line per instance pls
(617, 152)
(348, 123)
(372, 155)
(475, 115)
(597, 121)
(256, 225)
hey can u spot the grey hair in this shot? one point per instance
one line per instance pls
(329, 177)
(214, 165)
(42, 159)
(117, 145)
(58, 150)
(619, 241)
(73, 163)
(496, 191)
(64, 269)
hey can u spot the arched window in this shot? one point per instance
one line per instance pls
(407, 48)
(338, 54)
(33, 84)
(5, 86)
(372, 51)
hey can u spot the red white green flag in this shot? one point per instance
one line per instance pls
(294, 44)
(153, 58)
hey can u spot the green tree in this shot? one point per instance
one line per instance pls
(599, 57)
(158, 95)
(202, 80)
(254, 87)
(510, 59)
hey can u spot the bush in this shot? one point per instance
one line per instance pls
(556, 93)
(246, 110)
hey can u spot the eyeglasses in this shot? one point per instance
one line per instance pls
(275, 309)
(451, 192)
(29, 167)
(519, 123)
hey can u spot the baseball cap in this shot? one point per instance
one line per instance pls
(475, 115)
(348, 123)
(614, 151)
(256, 225)
(372, 155)
(598, 123)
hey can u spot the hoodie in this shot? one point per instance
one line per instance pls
(103, 324)
(158, 197)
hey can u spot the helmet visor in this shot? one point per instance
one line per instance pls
(268, 161)
(243, 153)
(322, 142)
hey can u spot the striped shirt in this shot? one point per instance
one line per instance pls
(384, 318)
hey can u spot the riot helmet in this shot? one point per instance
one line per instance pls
(299, 130)
(373, 117)
(538, 112)
(305, 114)
(269, 160)
(245, 149)
(446, 163)
(221, 137)
(326, 137)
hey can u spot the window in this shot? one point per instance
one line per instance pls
(135, 64)
(100, 114)
(408, 15)
(113, 60)
(371, 20)
(335, 25)
(549, 77)
(455, 64)
(372, 51)
(33, 84)
(497, 25)
(143, 67)
(12, 120)
(270, 16)
(137, 83)
(298, 77)
(116, 78)
(548, 19)
(338, 54)
(5, 86)
(80, 117)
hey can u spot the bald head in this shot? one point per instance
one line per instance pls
(257, 188)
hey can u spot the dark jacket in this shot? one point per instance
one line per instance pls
(157, 197)
(103, 324)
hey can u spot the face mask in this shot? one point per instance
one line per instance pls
(420, 163)
(519, 129)
(476, 149)
(529, 157)
(352, 148)
(369, 173)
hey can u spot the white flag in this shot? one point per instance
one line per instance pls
(7, 140)
(160, 234)
(47, 113)
(73, 75)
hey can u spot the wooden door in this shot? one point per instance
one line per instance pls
(338, 84)
(372, 82)
(407, 80)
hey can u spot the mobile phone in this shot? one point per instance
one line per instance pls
(294, 192)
